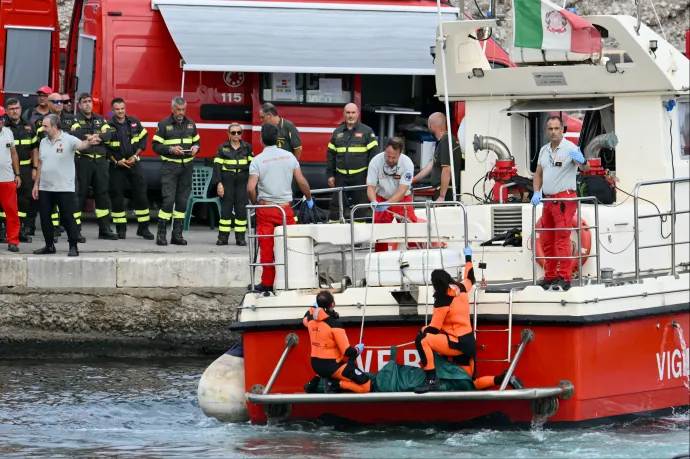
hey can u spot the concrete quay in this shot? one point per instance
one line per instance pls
(125, 298)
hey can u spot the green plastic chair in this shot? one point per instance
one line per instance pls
(201, 180)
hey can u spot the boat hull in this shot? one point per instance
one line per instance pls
(617, 368)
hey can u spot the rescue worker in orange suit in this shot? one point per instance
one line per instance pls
(332, 357)
(127, 142)
(450, 331)
(231, 174)
(439, 166)
(177, 142)
(388, 181)
(272, 173)
(93, 167)
(352, 147)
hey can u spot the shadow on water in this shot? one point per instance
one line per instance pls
(148, 409)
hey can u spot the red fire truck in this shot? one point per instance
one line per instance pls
(29, 48)
(228, 57)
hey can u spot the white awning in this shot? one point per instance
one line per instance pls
(558, 105)
(264, 36)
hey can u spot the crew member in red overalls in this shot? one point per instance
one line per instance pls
(272, 172)
(10, 180)
(388, 181)
(556, 177)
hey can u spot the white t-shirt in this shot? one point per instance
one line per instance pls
(387, 179)
(6, 143)
(275, 168)
(57, 163)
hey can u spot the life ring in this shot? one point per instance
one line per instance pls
(586, 239)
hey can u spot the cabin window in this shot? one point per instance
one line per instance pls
(306, 88)
(27, 60)
(684, 125)
(85, 63)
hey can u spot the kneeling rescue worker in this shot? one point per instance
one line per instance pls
(330, 347)
(450, 331)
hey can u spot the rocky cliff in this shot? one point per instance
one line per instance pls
(673, 15)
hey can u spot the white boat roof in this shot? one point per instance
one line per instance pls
(664, 71)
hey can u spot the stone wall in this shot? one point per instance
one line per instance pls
(674, 15)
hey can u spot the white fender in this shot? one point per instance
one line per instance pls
(221, 390)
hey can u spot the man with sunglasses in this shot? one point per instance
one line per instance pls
(388, 181)
(127, 142)
(35, 115)
(67, 103)
(231, 174)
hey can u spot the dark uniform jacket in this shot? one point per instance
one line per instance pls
(67, 120)
(441, 159)
(25, 139)
(126, 138)
(229, 160)
(85, 127)
(170, 134)
(33, 117)
(288, 136)
(350, 150)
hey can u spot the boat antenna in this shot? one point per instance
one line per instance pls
(442, 40)
(639, 17)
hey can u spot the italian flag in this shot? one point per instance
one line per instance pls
(541, 24)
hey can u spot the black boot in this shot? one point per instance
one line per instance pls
(47, 250)
(514, 382)
(430, 383)
(176, 237)
(80, 239)
(143, 231)
(312, 386)
(3, 232)
(57, 230)
(23, 237)
(121, 229)
(161, 236)
(104, 231)
(331, 386)
(239, 239)
(222, 238)
(73, 251)
(30, 226)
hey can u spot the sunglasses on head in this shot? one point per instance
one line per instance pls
(235, 132)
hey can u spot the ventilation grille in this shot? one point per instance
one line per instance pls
(505, 218)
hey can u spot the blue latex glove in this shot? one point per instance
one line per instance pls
(536, 198)
(379, 207)
(467, 251)
(577, 156)
(360, 348)
(310, 203)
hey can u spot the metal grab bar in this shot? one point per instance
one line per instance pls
(673, 214)
(426, 204)
(251, 236)
(291, 340)
(527, 335)
(579, 229)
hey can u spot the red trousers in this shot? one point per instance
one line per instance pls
(557, 243)
(387, 217)
(8, 201)
(266, 221)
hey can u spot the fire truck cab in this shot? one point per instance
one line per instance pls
(228, 57)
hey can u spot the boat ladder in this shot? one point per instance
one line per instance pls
(508, 330)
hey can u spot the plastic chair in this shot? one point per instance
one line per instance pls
(201, 180)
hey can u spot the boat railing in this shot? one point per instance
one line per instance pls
(578, 230)
(672, 214)
(430, 207)
(254, 248)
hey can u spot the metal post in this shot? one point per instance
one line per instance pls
(291, 341)
(596, 240)
(636, 214)
(340, 205)
(285, 248)
(510, 318)
(672, 219)
(182, 89)
(534, 245)
(352, 240)
(428, 234)
(407, 246)
(474, 318)
(527, 335)
(579, 241)
(249, 246)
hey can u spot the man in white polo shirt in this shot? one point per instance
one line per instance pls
(10, 180)
(55, 181)
(556, 177)
(388, 181)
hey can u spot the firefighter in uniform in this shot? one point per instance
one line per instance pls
(92, 164)
(231, 174)
(35, 115)
(352, 146)
(67, 120)
(288, 135)
(177, 142)
(126, 143)
(26, 144)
